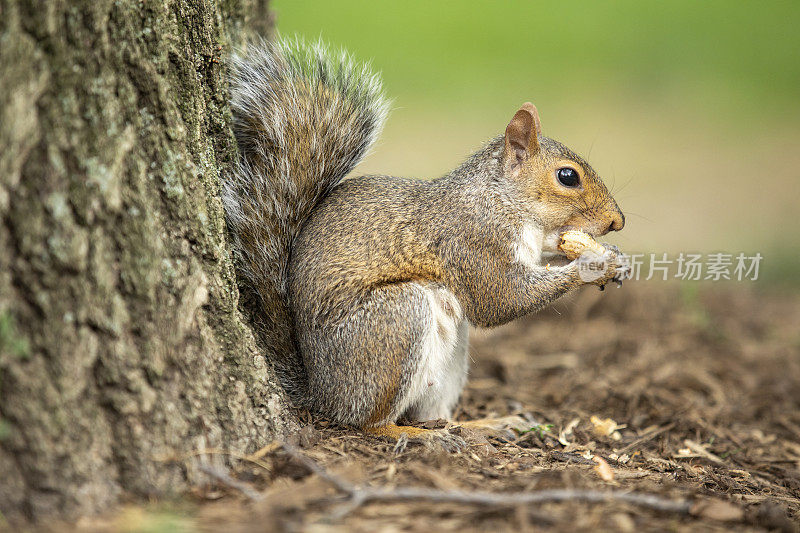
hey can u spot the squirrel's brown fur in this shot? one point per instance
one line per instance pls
(303, 118)
(369, 284)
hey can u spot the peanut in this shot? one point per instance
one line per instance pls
(574, 243)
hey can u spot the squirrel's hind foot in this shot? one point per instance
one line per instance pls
(432, 438)
(507, 427)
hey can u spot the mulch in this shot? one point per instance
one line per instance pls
(688, 393)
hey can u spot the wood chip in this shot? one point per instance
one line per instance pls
(603, 469)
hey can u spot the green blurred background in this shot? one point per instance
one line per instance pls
(689, 110)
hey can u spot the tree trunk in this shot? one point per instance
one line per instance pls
(122, 350)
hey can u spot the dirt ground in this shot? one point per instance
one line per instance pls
(701, 386)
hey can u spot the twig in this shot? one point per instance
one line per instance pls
(215, 451)
(269, 448)
(521, 498)
(645, 438)
(700, 450)
(788, 424)
(312, 466)
(224, 478)
(359, 495)
(570, 457)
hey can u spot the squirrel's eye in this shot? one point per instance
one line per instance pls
(568, 177)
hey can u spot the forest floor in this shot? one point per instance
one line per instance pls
(689, 394)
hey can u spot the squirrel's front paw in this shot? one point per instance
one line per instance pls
(596, 263)
(617, 266)
(603, 264)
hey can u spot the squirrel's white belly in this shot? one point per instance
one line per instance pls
(528, 248)
(442, 362)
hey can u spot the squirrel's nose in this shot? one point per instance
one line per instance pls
(617, 222)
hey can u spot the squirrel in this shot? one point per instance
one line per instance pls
(367, 287)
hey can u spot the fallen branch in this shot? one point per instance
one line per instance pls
(225, 478)
(359, 495)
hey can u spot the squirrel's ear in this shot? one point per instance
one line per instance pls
(522, 135)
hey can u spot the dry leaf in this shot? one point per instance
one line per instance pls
(717, 510)
(623, 522)
(605, 427)
(566, 433)
(603, 469)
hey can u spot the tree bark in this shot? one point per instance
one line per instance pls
(122, 349)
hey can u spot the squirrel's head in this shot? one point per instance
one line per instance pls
(559, 188)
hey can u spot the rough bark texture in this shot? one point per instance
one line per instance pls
(121, 344)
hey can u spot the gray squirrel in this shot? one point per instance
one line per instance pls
(367, 286)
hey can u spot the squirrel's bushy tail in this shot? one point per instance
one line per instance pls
(303, 117)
